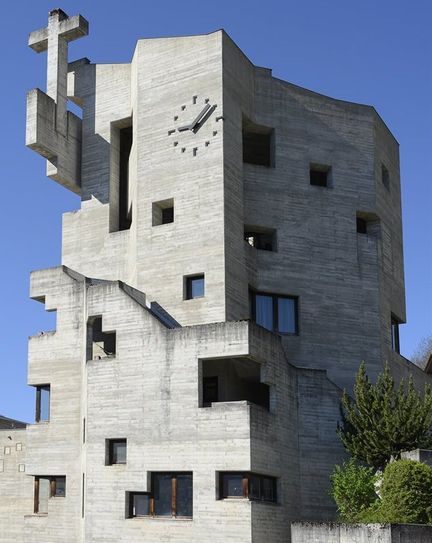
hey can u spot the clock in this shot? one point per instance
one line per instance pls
(194, 126)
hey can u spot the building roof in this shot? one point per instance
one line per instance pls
(11, 424)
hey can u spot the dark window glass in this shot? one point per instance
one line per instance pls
(268, 489)
(286, 315)
(385, 177)
(254, 487)
(184, 495)
(162, 494)
(210, 390)
(140, 504)
(264, 311)
(167, 215)
(275, 313)
(43, 403)
(59, 486)
(318, 177)
(117, 451)
(232, 485)
(361, 225)
(395, 342)
(195, 287)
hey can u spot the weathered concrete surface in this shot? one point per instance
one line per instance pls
(359, 533)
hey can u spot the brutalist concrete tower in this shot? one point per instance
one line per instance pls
(237, 254)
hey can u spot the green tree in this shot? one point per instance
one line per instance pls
(384, 420)
(353, 490)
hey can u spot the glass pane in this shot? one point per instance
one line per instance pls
(264, 311)
(197, 287)
(60, 486)
(268, 489)
(184, 495)
(162, 494)
(232, 485)
(140, 505)
(44, 494)
(286, 315)
(44, 403)
(119, 452)
(254, 488)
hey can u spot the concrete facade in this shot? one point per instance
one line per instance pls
(190, 106)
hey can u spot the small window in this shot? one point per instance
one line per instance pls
(194, 287)
(319, 175)
(385, 177)
(395, 342)
(258, 144)
(275, 313)
(361, 225)
(263, 239)
(116, 451)
(43, 393)
(99, 344)
(247, 485)
(171, 496)
(47, 487)
(163, 212)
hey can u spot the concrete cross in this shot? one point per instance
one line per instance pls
(54, 39)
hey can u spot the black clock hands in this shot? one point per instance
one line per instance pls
(199, 120)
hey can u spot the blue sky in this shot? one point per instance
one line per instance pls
(377, 53)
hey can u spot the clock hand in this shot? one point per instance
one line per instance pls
(197, 120)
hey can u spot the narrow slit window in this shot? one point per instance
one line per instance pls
(43, 398)
(395, 340)
(125, 204)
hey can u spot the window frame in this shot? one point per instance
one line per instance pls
(275, 310)
(38, 406)
(52, 489)
(110, 451)
(246, 486)
(188, 286)
(395, 334)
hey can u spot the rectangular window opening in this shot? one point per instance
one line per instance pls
(246, 485)
(361, 225)
(232, 380)
(320, 175)
(171, 495)
(46, 487)
(275, 312)
(116, 451)
(99, 344)
(385, 177)
(163, 212)
(258, 144)
(125, 204)
(263, 239)
(43, 397)
(395, 340)
(194, 287)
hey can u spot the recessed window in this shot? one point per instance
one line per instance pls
(116, 451)
(258, 144)
(194, 287)
(263, 239)
(385, 177)
(100, 344)
(275, 313)
(247, 485)
(210, 390)
(43, 393)
(163, 212)
(361, 225)
(395, 342)
(171, 496)
(47, 487)
(319, 175)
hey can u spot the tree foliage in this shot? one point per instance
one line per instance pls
(353, 490)
(384, 420)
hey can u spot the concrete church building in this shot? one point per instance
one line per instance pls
(237, 253)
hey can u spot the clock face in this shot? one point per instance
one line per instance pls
(194, 126)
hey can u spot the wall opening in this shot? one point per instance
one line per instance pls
(261, 238)
(163, 212)
(99, 344)
(320, 175)
(125, 204)
(232, 380)
(120, 183)
(258, 144)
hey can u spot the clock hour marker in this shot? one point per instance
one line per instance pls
(194, 151)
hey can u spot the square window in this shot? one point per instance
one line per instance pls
(139, 504)
(163, 212)
(319, 175)
(116, 451)
(194, 287)
(232, 485)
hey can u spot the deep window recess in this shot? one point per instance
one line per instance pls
(194, 287)
(361, 225)
(99, 344)
(171, 496)
(46, 487)
(247, 485)
(385, 177)
(116, 450)
(319, 175)
(125, 204)
(258, 144)
(275, 313)
(163, 212)
(232, 380)
(261, 238)
(43, 393)
(395, 343)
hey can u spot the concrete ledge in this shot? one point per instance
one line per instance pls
(328, 532)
